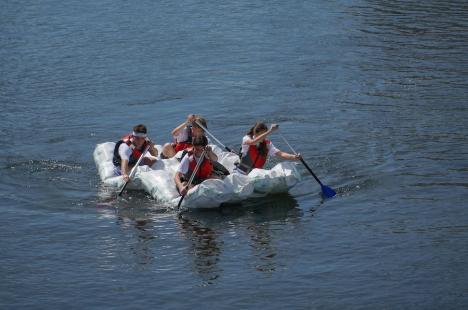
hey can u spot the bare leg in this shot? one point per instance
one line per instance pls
(168, 150)
(148, 161)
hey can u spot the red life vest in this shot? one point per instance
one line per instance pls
(136, 152)
(183, 145)
(180, 146)
(253, 158)
(204, 171)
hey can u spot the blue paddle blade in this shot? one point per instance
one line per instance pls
(328, 192)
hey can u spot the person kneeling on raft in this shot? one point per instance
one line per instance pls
(183, 136)
(128, 150)
(256, 148)
(189, 162)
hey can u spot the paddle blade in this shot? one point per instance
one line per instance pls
(328, 191)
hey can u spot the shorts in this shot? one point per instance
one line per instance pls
(117, 171)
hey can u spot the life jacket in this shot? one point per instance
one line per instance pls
(204, 171)
(182, 145)
(253, 158)
(136, 152)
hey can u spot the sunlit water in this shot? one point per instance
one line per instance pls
(372, 93)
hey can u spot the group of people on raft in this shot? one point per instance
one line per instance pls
(190, 138)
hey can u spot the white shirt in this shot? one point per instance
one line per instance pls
(125, 151)
(272, 150)
(183, 135)
(184, 164)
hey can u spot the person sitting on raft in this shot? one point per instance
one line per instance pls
(128, 150)
(256, 148)
(183, 136)
(189, 162)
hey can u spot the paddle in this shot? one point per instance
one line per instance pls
(133, 171)
(200, 160)
(214, 138)
(327, 191)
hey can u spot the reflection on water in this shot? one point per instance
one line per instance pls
(137, 219)
(210, 234)
(262, 248)
(270, 208)
(269, 212)
(211, 231)
(144, 234)
(204, 248)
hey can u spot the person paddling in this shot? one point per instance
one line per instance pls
(256, 148)
(189, 162)
(183, 136)
(128, 150)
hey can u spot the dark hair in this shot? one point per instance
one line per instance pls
(201, 120)
(200, 141)
(140, 128)
(259, 127)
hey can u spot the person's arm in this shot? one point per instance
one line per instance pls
(272, 150)
(288, 156)
(152, 150)
(180, 185)
(259, 138)
(124, 169)
(125, 152)
(211, 154)
(183, 169)
(176, 131)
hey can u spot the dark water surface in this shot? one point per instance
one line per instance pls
(372, 93)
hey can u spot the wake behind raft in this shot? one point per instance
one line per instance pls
(158, 180)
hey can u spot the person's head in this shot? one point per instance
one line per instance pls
(257, 129)
(139, 134)
(196, 129)
(199, 143)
